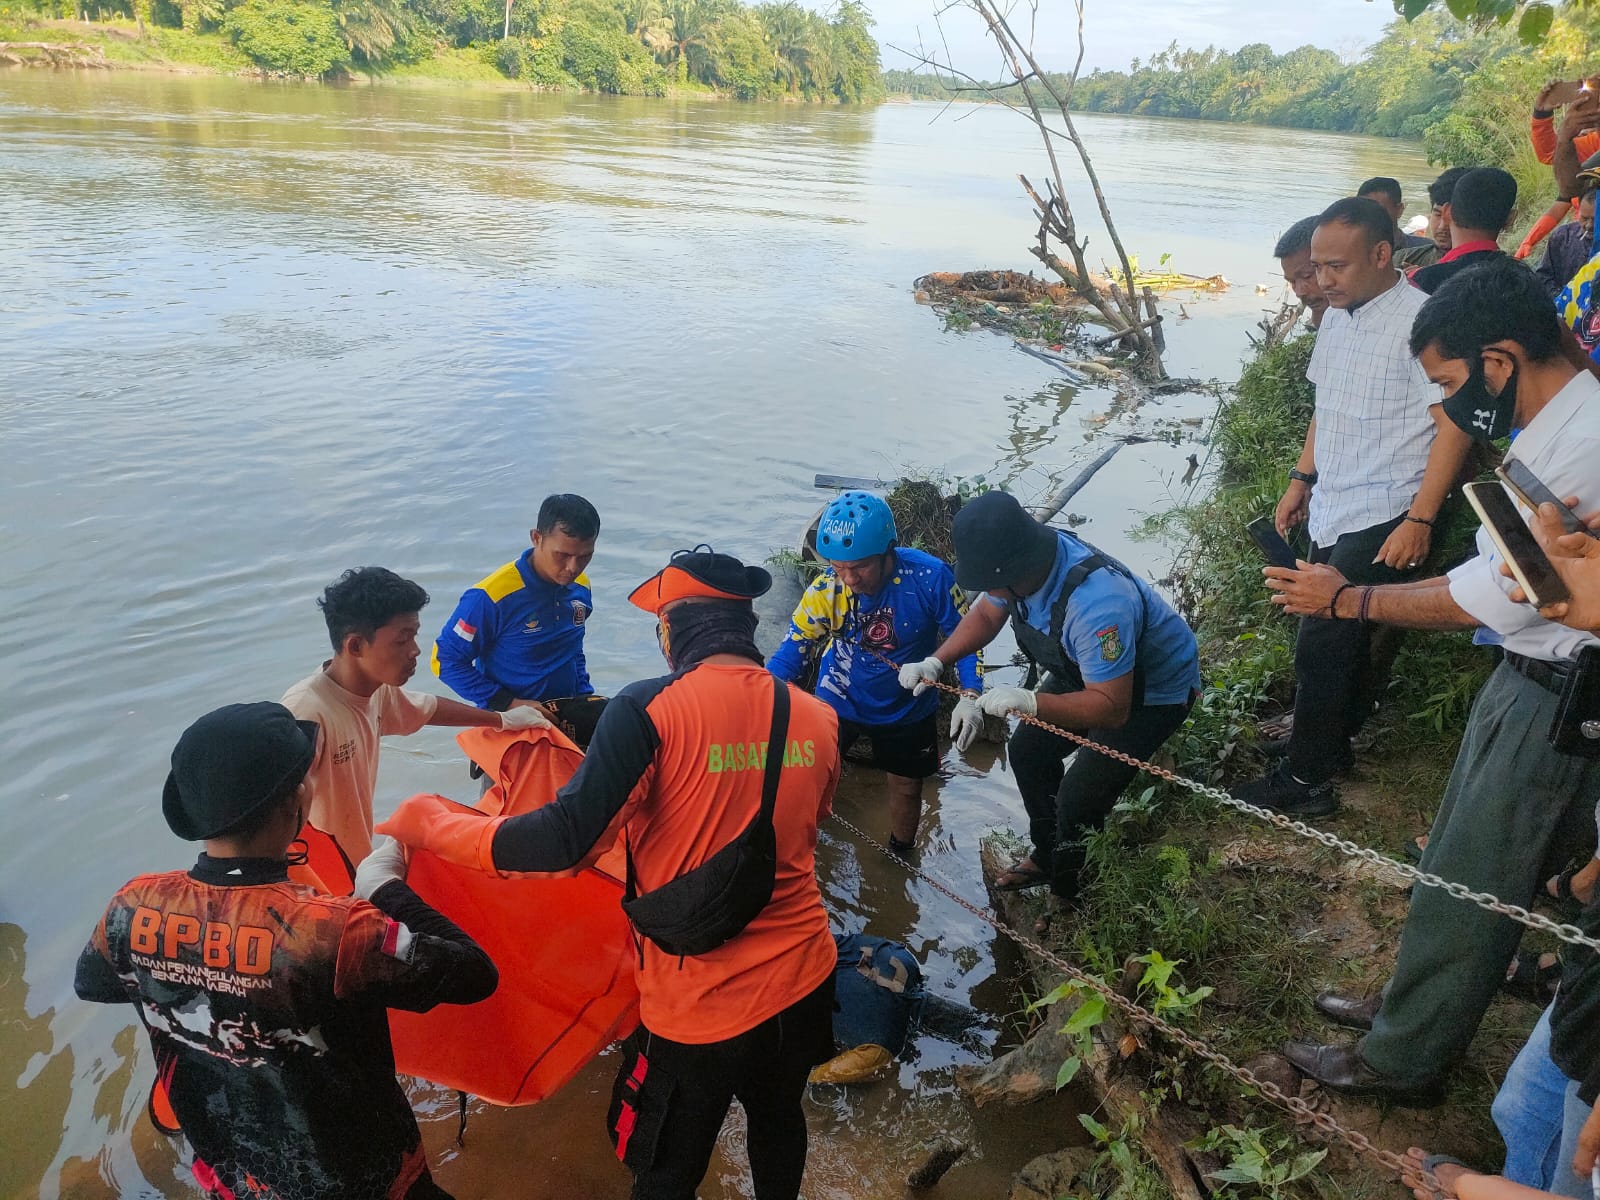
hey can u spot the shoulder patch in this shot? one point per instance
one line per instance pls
(502, 582)
(1110, 639)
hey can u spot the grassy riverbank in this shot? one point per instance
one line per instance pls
(1266, 918)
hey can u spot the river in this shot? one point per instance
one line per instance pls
(255, 334)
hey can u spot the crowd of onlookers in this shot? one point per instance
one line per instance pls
(1434, 356)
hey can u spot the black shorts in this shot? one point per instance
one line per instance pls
(910, 749)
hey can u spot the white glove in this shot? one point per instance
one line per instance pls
(524, 716)
(1000, 701)
(915, 677)
(385, 864)
(966, 722)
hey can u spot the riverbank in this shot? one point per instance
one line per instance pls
(570, 62)
(1264, 918)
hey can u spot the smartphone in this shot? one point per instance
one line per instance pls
(1530, 489)
(1565, 92)
(1515, 541)
(1277, 552)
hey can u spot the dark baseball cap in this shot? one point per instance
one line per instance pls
(999, 545)
(702, 574)
(232, 762)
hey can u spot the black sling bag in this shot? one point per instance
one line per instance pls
(711, 904)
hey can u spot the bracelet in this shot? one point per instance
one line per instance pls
(1333, 605)
(1421, 520)
(1308, 478)
(1366, 602)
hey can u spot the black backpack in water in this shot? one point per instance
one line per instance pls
(710, 905)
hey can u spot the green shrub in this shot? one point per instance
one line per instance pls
(288, 37)
(511, 57)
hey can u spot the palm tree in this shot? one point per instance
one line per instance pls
(794, 42)
(686, 25)
(371, 28)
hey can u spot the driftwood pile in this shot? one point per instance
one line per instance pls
(51, 54)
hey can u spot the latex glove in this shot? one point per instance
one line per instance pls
(454, 832)
(915, 677)
(385, 864)
(524, 716)
(1000, 701)
(966, 722)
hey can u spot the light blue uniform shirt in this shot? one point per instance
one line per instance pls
(1111, 622)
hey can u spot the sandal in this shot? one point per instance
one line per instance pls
(1560, 890)
(1415, 846)
(1530, 978)
(1020, 876)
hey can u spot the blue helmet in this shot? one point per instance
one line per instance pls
(854, 526)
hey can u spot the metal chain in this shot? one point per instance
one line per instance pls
(1404, 1168)
(1568, 933)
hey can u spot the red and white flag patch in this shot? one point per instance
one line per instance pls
(464, 631)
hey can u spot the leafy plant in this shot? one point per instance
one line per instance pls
(1259, 1162)
(288, 37)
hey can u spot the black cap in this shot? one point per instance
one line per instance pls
(999, 545)
(231, 762)
(700, 573)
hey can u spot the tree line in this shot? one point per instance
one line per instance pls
(766, 51)
(1464, 87)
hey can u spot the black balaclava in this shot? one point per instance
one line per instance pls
(696, 630)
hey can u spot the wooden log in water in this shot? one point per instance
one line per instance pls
(1059, 501)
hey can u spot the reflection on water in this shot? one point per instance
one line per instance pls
(257, 334)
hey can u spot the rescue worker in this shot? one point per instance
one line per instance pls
(878, 601)
(359, 695)
(265, 1000)
(679, 766)
(516, 637)
(1120, 667)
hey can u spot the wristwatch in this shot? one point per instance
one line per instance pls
(1304, 477)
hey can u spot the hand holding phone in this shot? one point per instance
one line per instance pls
(1503, 523)
(1269, 541)
(1528, 487)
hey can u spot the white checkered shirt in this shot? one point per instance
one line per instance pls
(1374, 430)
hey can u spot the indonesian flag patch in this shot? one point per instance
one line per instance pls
(464, 631)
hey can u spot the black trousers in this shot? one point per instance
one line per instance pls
(1338, 669)
(689, 1089)
(1065, 803)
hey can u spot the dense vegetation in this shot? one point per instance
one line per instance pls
(768, 51)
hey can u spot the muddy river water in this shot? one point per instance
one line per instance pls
(255, 334)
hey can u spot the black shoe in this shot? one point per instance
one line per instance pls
(1275, 748)
(906, 850)
(1281, 791)
(1352, 1013)
(1342, 1069)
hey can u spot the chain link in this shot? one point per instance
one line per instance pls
(1570, 934)
(1403, 1168)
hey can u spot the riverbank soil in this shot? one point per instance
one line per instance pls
(1261, 919)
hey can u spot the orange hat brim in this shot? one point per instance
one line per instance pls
(674, 583)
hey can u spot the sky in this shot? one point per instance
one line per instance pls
(1116, 31)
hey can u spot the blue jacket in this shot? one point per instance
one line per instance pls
(515, 637)
(916, 610)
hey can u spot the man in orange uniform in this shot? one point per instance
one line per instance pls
(677, 765)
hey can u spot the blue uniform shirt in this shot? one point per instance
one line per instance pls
(916, 610)
(515, 637)
(1112, 620)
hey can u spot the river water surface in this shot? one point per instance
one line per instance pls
(254, 334)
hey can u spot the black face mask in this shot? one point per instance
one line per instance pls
(1480, 413)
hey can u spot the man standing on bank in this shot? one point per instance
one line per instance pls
(1379, 459)
(877, 606)
(680, 766)
(1121, 667)
(1515, 808)
(516, 637)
